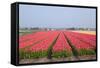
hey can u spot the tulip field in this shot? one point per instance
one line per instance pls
(56, 44)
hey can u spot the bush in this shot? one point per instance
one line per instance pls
(32, 55)
(86, 52)
(61, 54)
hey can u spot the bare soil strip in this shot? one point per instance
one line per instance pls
(45, 60)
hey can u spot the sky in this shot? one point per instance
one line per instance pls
(56, 17)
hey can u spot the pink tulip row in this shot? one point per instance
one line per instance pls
(79, 44)
(61, 44)
(31, 36)
(35, 38)
(89, 36)
(90, 39)
(44, 40)
(45, 44)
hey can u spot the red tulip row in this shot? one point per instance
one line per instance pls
(41, 41)
(79, 44)
(61, 44)
(86, 38)
(90, 39)
(33, 39)
(30, 36)
(45, 44)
